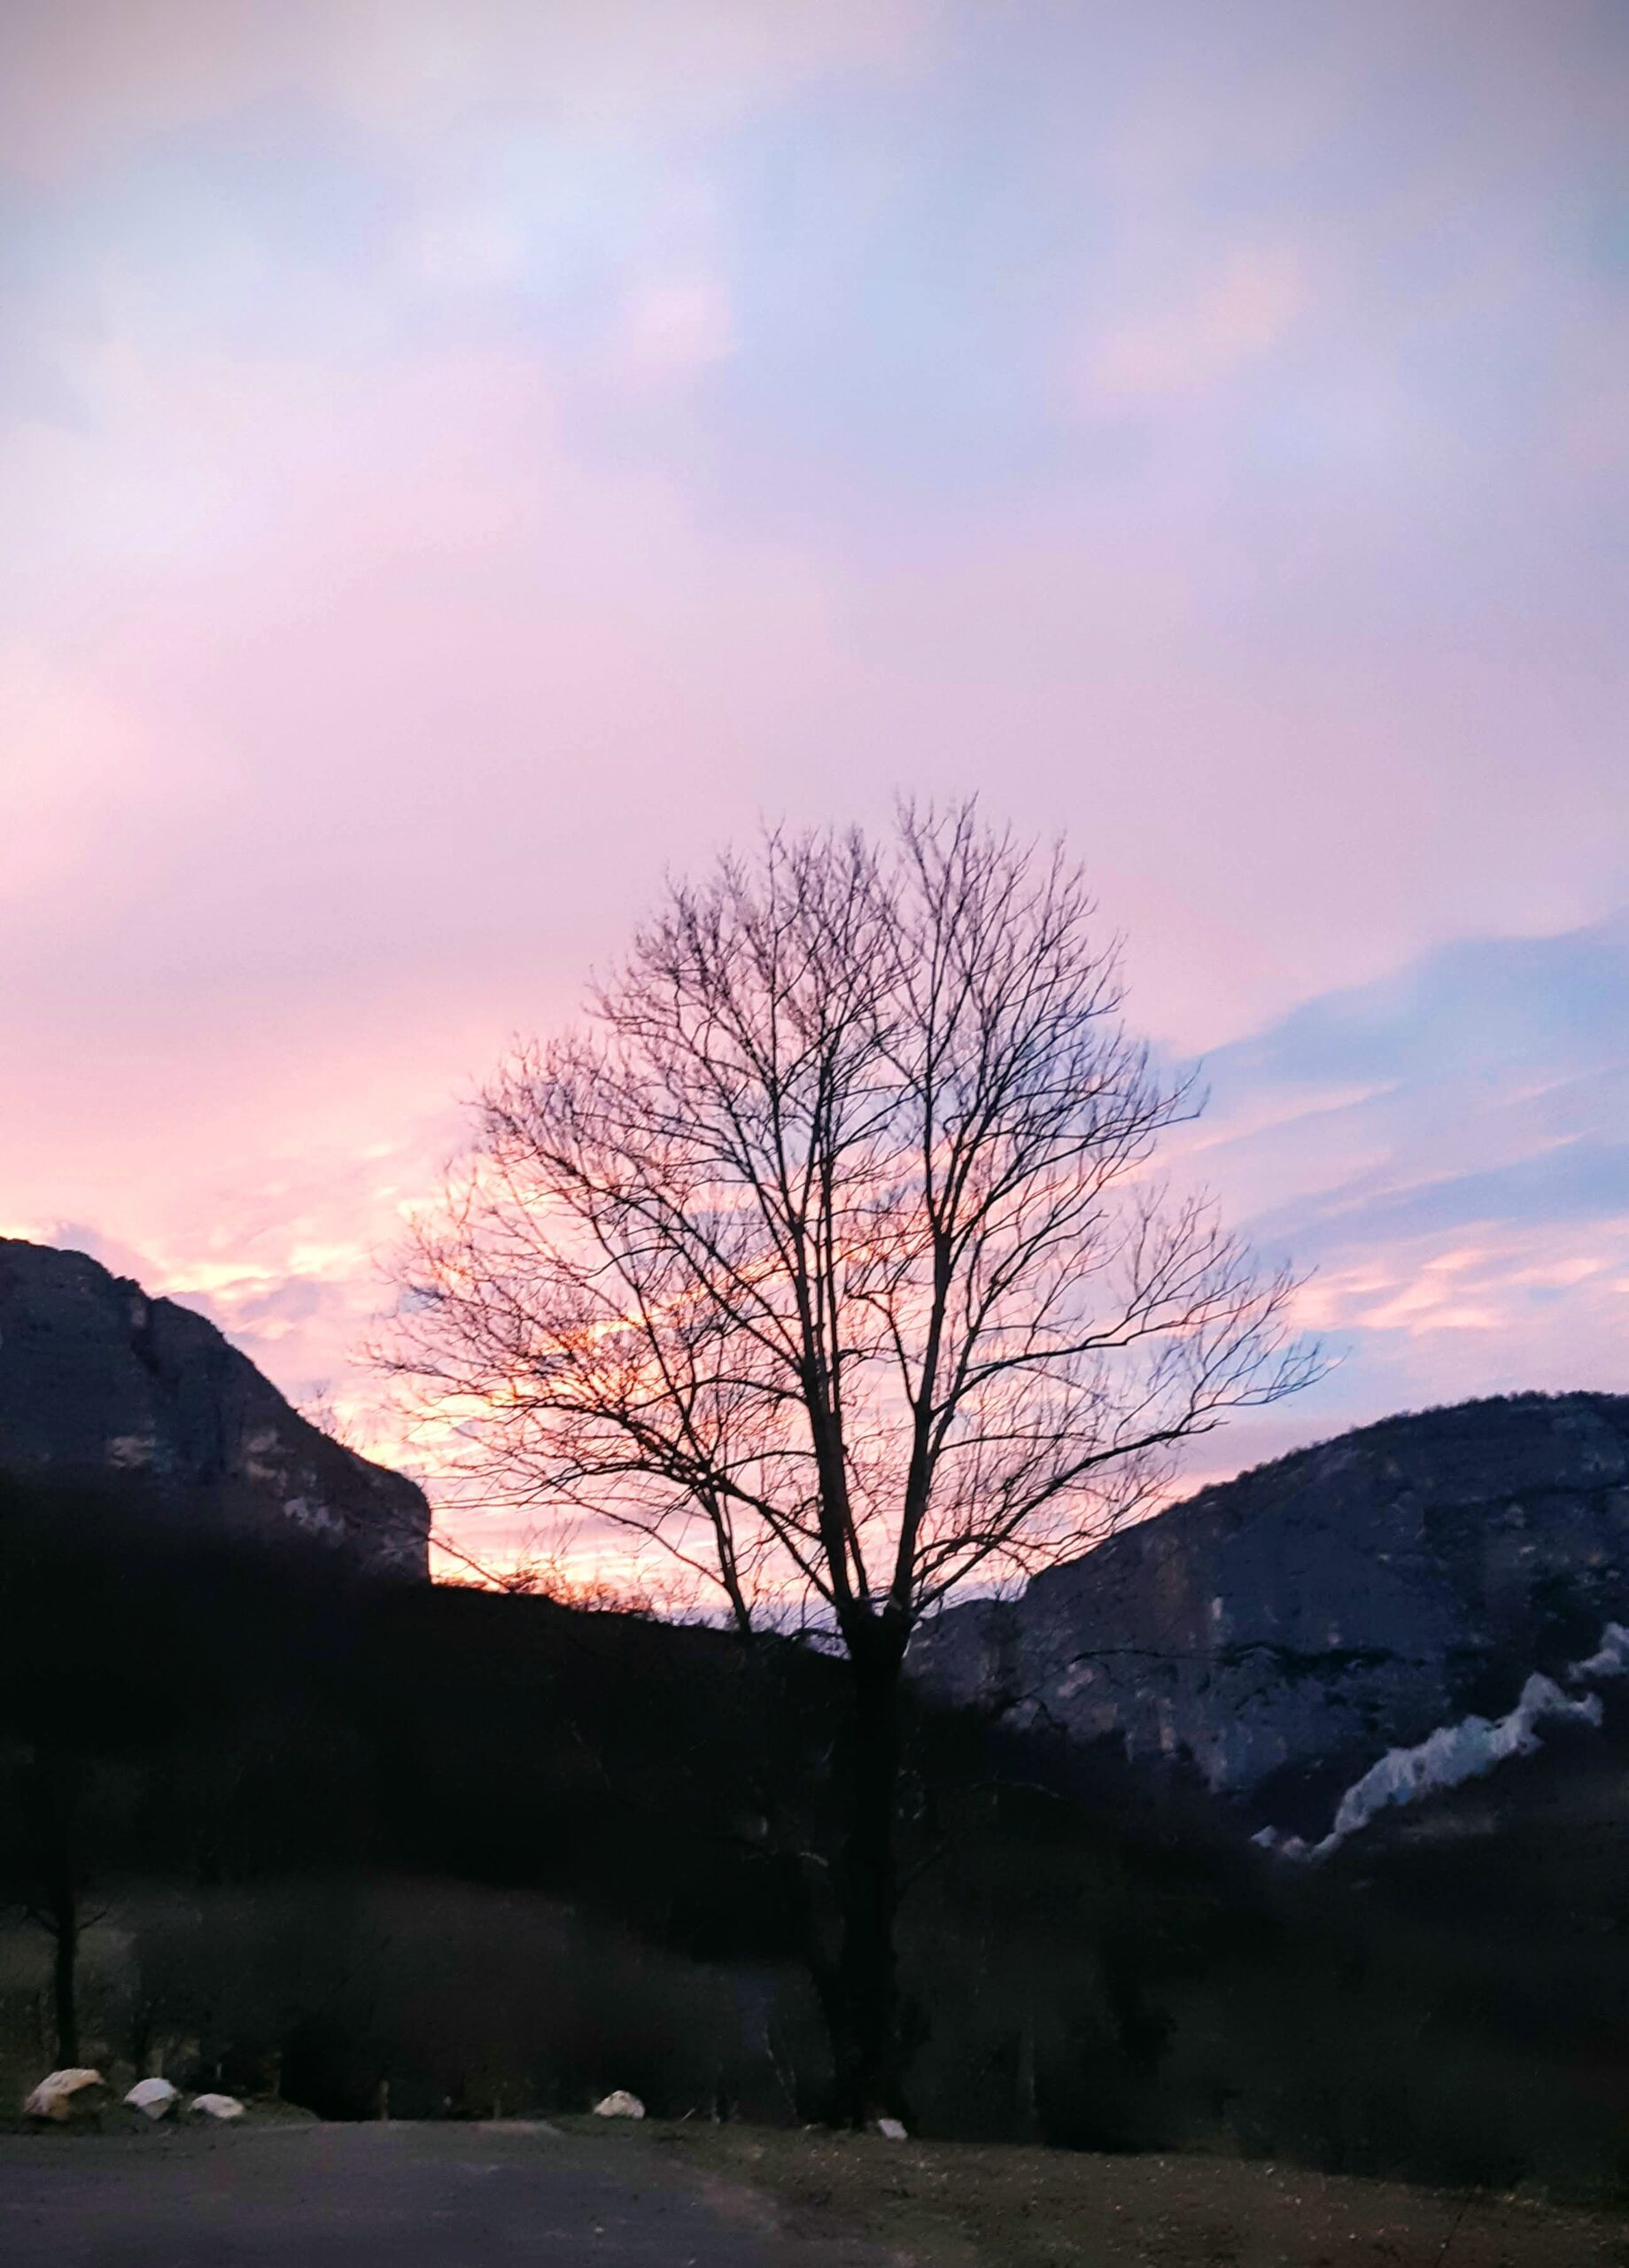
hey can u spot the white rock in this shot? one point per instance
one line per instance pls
(891, 2131)
(70, 2094)
(619, 2104)
(220, 2106)
(154, 2098)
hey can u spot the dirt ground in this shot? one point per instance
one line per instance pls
(590, 2194)
(949, 2205)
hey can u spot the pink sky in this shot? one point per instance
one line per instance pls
(462, 459)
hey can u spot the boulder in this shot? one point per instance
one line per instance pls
(153, 2098)
(66, 2096)
(619, 2104)
(220, 2107)
(890, 2130)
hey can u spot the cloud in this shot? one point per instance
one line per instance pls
(295, 1192)
(68, 758)
(1485, 1079)
(678, 325)
(463, 458)
(85, 79)
(1209, 333)
(1442, 1148)
(1583, 1179)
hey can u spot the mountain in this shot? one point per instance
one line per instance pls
(1278, 1633)
(94, 1377)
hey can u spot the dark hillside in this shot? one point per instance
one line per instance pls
(271, 1713)
(491, 1852)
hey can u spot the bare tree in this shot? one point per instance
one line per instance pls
(54, 1805)
(826, 1255)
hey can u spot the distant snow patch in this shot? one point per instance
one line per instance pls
(1455, 1753)
(1611, 1658)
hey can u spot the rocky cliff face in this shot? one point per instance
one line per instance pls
(1306, 1616)
(95, 1375)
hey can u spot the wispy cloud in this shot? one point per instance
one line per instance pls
(1463, 1200)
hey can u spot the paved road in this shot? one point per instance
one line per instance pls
(384, 2196)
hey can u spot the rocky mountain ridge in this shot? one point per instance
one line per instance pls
(1281, 1631)
(98, 1376)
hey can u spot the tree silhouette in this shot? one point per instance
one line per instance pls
(826, 1255)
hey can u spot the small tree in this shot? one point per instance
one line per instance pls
(57, 1808)
(826, 1257)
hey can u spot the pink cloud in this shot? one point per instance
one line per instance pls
(86, 78)
(1194, 337)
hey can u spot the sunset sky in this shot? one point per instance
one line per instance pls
(461, 457)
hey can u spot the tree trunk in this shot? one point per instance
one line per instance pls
(869, 2077)
(58, 1795)
(65, 1971)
